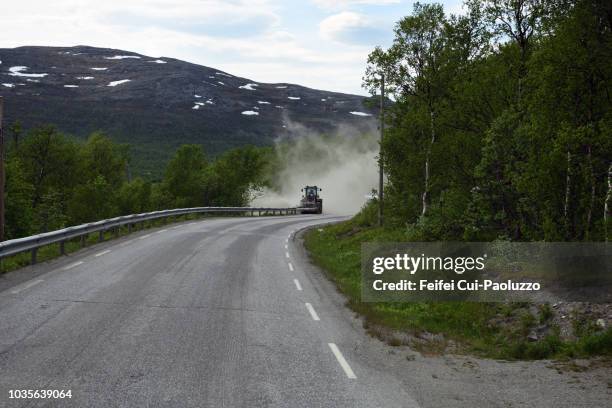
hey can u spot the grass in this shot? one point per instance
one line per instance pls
(496, 330)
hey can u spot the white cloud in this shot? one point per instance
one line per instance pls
(350, 27)
(334, 25)
(343, 4)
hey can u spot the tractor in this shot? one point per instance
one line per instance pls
(311, 203)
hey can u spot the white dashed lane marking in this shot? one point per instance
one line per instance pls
(145, 236)
(287, 254)
(290, 266)
(297, 284)
(26, 286)
(102, 253)
(313, 314)
(342, 361)
(74, 265)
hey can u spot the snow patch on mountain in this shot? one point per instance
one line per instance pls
(115, 83)
(120, 57)
(18, 72)
(248, 87)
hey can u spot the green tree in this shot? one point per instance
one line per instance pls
(101, 157)
(18, 199)
(134, 197)
(519, 93)
(183, 179)
(49, 162)
(92, 201)
(234, 176)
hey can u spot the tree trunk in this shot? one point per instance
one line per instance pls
(427, 164)
(568, 190)
(608, 202)
(592, 200)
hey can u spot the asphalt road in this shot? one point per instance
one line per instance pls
(228, 312)
(214, 313)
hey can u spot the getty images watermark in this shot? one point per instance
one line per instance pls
(486, 272)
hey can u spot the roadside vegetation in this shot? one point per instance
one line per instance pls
(501, 126)
(54, 181)
(488, 329)
(500, 129)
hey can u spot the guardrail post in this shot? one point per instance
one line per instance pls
(129, 228)
(83, 241)
(116, 232)
(62, 247)
(34, 252)
(101, 236)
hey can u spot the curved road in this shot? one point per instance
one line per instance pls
(214, 313)
(227, 312)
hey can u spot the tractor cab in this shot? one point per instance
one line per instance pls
(311, 203)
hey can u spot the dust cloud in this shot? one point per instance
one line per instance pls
(344, 164)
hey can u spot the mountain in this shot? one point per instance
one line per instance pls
(157, 104)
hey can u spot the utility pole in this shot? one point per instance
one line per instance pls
(380, 159)
(1, 171)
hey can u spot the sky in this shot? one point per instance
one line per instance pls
(321, 44)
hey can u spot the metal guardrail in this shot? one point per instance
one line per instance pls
(34, 242)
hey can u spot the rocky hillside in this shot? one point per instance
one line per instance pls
(157, 104)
